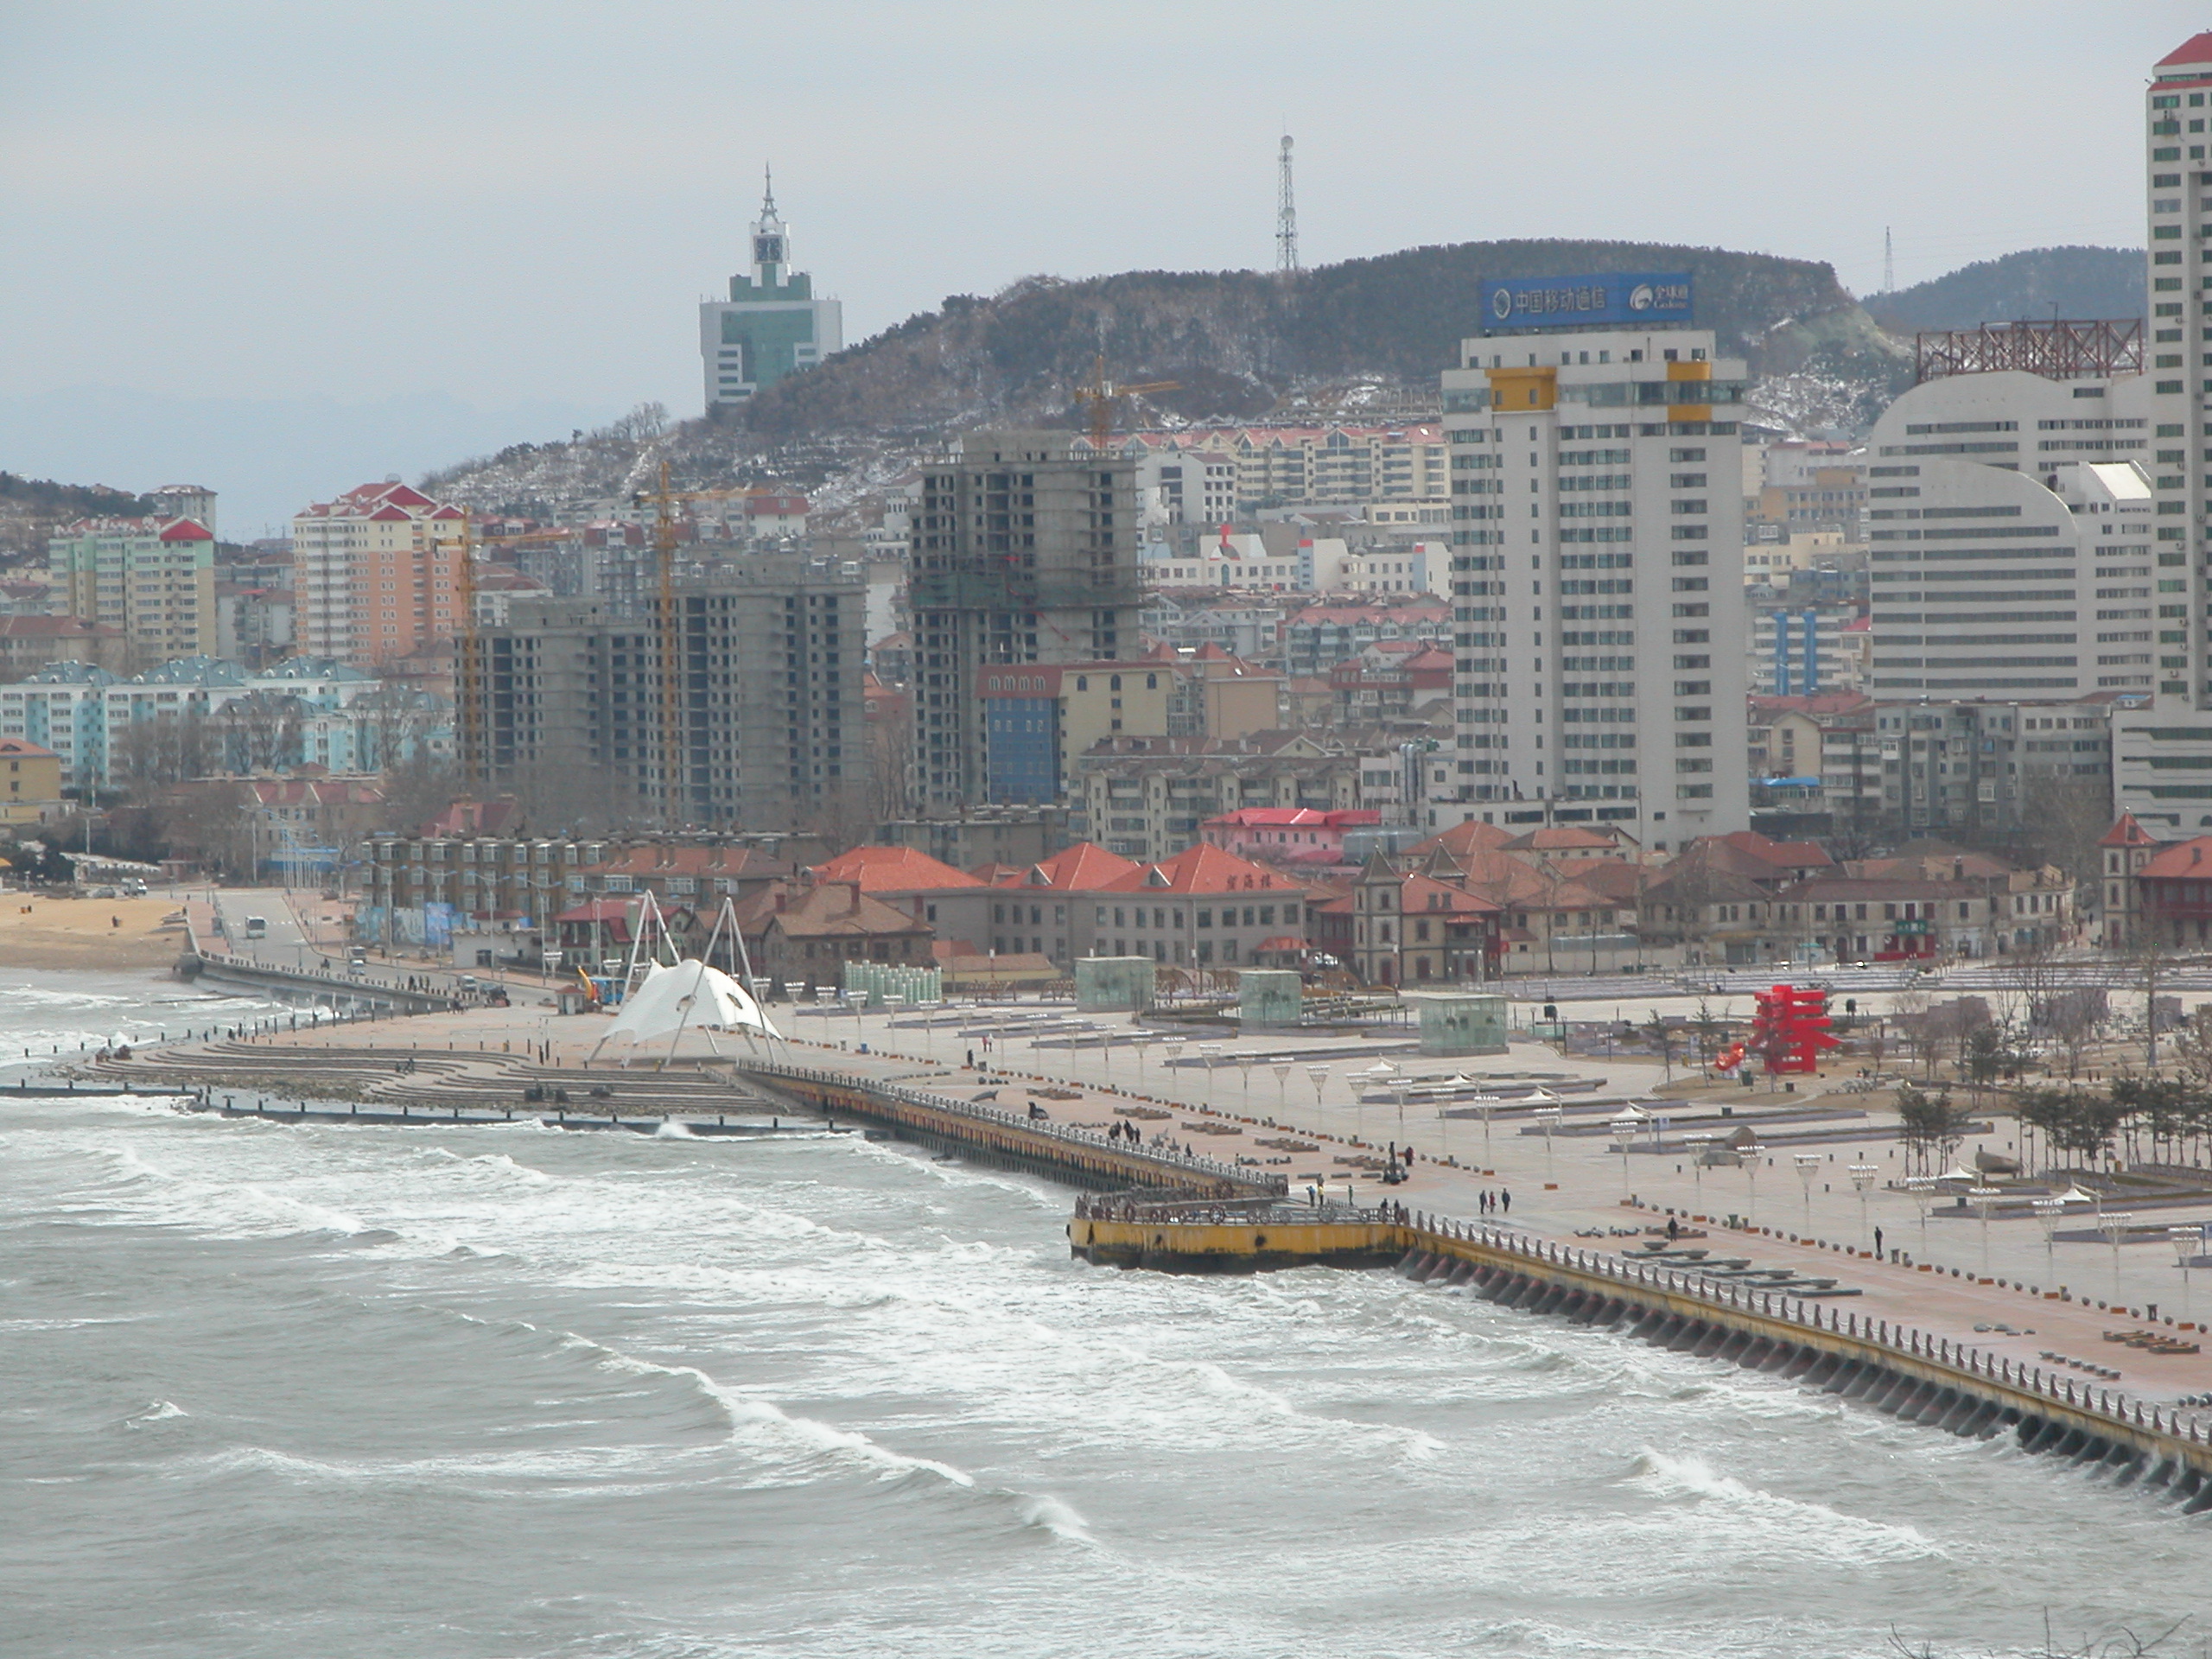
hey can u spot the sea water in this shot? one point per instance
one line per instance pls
(270, 1389)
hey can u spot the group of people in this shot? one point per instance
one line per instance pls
(1500, 1201)
(1124, 1130)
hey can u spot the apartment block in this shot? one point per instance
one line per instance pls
(1598, 600)
(1025, 551)
(376, 574)
(765, 727)
(1988, 764)
(153, 579)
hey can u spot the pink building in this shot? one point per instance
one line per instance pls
(1286, 835)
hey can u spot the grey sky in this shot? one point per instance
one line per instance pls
(515, 207)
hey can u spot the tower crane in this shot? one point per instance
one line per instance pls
(1100, 397)
(669, 636)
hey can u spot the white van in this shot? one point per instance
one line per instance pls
(257, 927)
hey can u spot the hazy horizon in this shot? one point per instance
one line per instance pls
(278, 252)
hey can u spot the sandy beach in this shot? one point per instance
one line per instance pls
(40, 932)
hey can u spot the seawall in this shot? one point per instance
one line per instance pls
(1082, 1157)
(1895, 1368)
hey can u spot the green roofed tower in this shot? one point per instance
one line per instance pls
(771, 325)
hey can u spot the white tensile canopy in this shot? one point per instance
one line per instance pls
(668, 1000)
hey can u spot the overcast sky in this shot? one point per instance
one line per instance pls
(232, 226)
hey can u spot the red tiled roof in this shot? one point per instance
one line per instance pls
(2185, 859)
(650, 859)
(1465, 837)
(1084, 868)
(836, 909)
(2197, 48)
(187, 529)
(1202, 870)
(2128, 832)
(1787, 854)
(892, 869)
(26, 749)
(597, 910)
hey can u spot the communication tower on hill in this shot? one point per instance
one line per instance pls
(1286, 216)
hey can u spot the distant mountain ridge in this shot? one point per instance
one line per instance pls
(2069, 282)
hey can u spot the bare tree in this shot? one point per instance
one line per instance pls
(260, 731)
(149, 755)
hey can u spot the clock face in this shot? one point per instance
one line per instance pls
(767, 250)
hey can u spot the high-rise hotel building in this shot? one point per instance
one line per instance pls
(1597, 578)
(2161, 757)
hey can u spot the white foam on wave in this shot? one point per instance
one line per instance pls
(670, 1129)
(1818, 1527)
(751, 1418)
(159, 1411)
(1042, 1510)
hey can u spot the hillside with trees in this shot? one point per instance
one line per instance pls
(2035, 283)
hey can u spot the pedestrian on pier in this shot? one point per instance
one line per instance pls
(1505, 1199)
(1878, 1243)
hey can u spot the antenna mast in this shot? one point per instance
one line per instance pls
(1286, 217)
(1889, 265)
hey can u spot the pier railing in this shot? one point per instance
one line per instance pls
(1176, 1166)
(1971, 1363)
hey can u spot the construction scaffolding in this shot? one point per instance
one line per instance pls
(2057, 349)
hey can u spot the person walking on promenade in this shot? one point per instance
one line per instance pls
(1505, 1199)
(1878, 1243)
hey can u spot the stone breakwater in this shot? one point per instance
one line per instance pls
(1900, 1369)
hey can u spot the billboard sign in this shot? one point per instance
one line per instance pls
(1603, 299)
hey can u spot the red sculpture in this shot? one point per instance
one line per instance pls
(1791, 1029)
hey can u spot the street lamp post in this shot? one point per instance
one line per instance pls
(1697, 1140)
(1317, 1075)
(1210, 1053)
(1807, 1163)
(1749, 1157)
(1921, 1189)
(1624, 1127)
(1487, 1104)
(1985, 1200)
(2188, 1242)
(2048, 1211)
(1862, 1180)
(1550, 1117)
(2114, 1224)
(1281, 1069)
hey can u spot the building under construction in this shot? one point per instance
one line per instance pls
(763, 729)
(1025, 550)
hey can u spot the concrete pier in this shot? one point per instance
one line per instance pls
(1911, 1373)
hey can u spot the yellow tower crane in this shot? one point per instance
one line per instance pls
(469, 680)
(1102, 395)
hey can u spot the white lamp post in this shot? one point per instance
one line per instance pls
(1697, 1140)
(1487, 1104)
(1807, 1163)
(1862, 1180)
(1550, 1117)
(1317, 1075)
(1624, 1127)
(2048, 1211)
(1749, 1157)
(1984, 1199)
(1921, 1189)
(2188, 1242)
(1281, 1069)
(2114, 1224)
